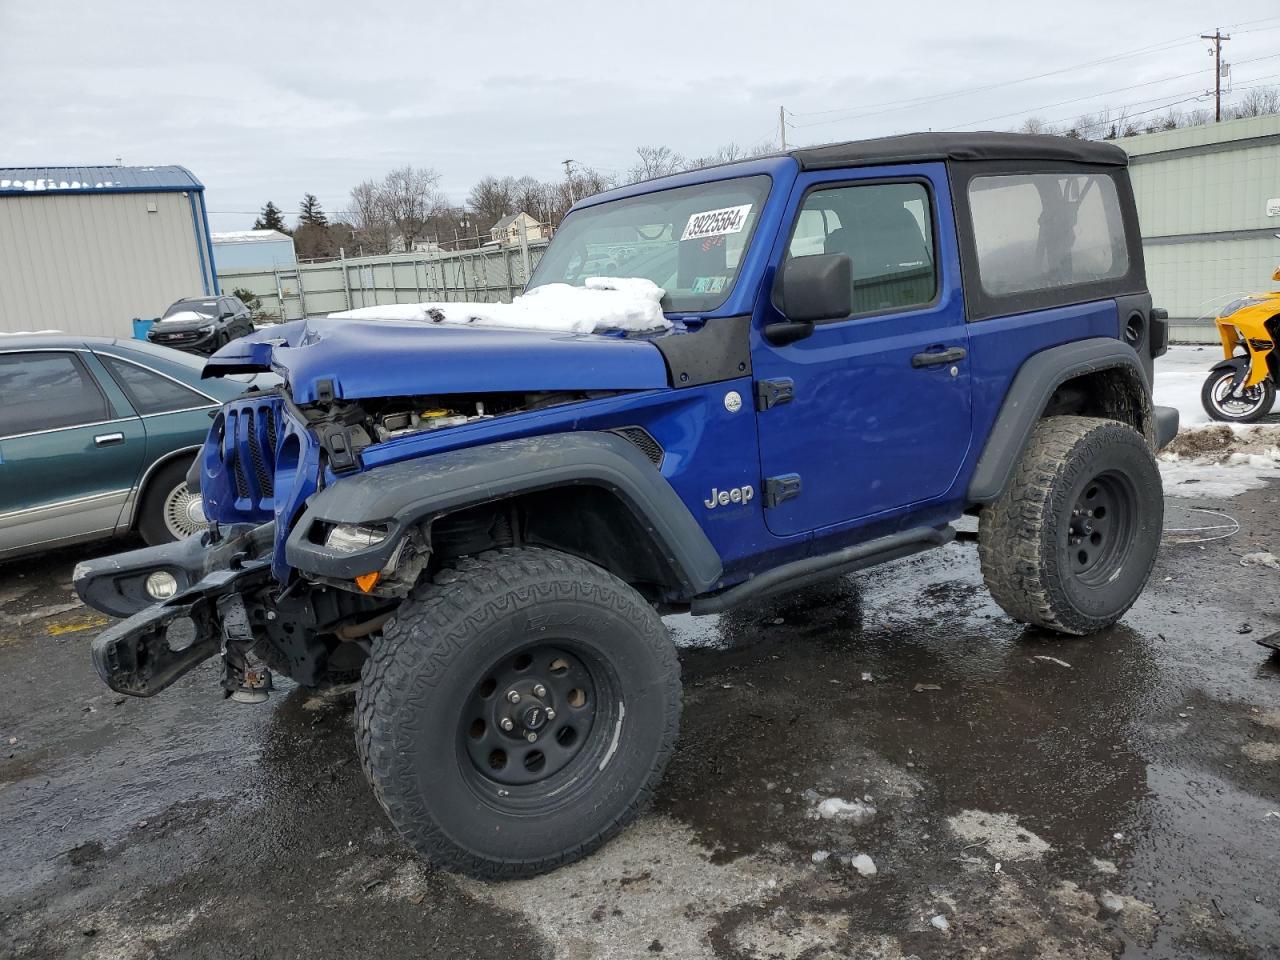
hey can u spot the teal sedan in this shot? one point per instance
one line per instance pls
(96, 436)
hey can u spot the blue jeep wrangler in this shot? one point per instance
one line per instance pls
(484, 526)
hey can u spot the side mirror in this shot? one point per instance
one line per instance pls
(809, 290)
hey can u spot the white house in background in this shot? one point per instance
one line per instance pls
(507, 230)
(421, 245)
(253, 250)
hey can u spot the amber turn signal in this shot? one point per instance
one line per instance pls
(367, 581)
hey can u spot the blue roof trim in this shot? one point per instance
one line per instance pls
(104, 179)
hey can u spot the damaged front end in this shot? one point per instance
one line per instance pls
(226, 603)
(269, 589)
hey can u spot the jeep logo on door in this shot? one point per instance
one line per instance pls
(722, 498)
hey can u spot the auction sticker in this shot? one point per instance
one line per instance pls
(713, 223)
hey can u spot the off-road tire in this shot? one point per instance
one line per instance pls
(1266, 401)
(421, 681)
(1025, 538)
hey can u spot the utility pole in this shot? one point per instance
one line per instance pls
(1217, 37)
(782, 127)
(568, 175)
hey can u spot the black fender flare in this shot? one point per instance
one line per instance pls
(406, 494)
(1029, 394)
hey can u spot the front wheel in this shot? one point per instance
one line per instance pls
(169, 509)
(517, 712)
(1071, 541)
(1249, 405)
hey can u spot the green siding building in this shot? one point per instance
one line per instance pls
(1209, 202)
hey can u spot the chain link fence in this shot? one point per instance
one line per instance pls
(489, 275)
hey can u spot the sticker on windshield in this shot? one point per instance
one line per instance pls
(713, 223)
(708, 284)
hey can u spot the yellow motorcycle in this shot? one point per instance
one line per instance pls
(1242, 388)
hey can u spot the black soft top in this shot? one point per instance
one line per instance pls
(977, 146)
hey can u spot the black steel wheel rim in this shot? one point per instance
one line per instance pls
(1249, 399)
(1101, 528)
(535, 719)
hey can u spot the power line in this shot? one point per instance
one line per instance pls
(1105, 93)
(873, 108)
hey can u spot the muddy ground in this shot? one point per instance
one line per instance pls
(1033, 796)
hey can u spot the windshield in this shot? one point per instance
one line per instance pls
(201, 308)
(688, 240)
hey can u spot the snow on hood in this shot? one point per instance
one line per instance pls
(185, 316)
(632, 304)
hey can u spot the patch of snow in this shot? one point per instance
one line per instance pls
(939, 922)
(865, 866)
(1263, 558)
(855, 812)
(820, 856)
(1000, 833)
(631, 304)
(1207, 479)
(25, 333)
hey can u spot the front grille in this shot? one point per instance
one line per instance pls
(644, 442)
(249, 447)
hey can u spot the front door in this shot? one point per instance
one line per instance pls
(879, 415)
(69, 453)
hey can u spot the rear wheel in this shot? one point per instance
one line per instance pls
(1249, 405)
(517, 712)
(1070, 543)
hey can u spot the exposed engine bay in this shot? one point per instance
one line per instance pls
(347, 427)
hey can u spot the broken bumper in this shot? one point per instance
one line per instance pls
(160, 641)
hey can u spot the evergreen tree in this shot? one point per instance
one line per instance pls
(310, 213)
(270, 219)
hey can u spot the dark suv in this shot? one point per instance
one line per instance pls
(854, 345)
(202, 324)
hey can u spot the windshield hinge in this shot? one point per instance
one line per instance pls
(771, 393)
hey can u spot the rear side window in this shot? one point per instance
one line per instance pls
(45, 391)
(886, 229)
(1046, 230)
(149, 392)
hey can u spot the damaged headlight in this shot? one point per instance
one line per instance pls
(353, 537)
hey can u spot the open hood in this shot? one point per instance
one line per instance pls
(385, 358)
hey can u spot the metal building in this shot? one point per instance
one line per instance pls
(87, 249)
(1209, 202)
(252, 250)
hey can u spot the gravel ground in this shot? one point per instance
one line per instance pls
(1017, 795)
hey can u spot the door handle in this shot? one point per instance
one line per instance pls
(108, 439)
(934, 359)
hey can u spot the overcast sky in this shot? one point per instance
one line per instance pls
(266, 100)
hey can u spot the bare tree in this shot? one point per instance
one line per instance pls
(657, 161)
(367, 214)
(1256, 103)
(491, 199)
(409, 196)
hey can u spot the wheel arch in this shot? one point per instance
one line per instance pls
(129, 514)
(587, 493)
(1099, 377)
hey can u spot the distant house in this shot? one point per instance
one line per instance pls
(507, 230)
(421, 245)
(252, 250)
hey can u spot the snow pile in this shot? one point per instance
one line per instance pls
(855, 812)
(632, 304)
(1209, 460)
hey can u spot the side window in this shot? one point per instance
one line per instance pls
(1046, 230)
(887, 231)
(148, 391)
(45, 391)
